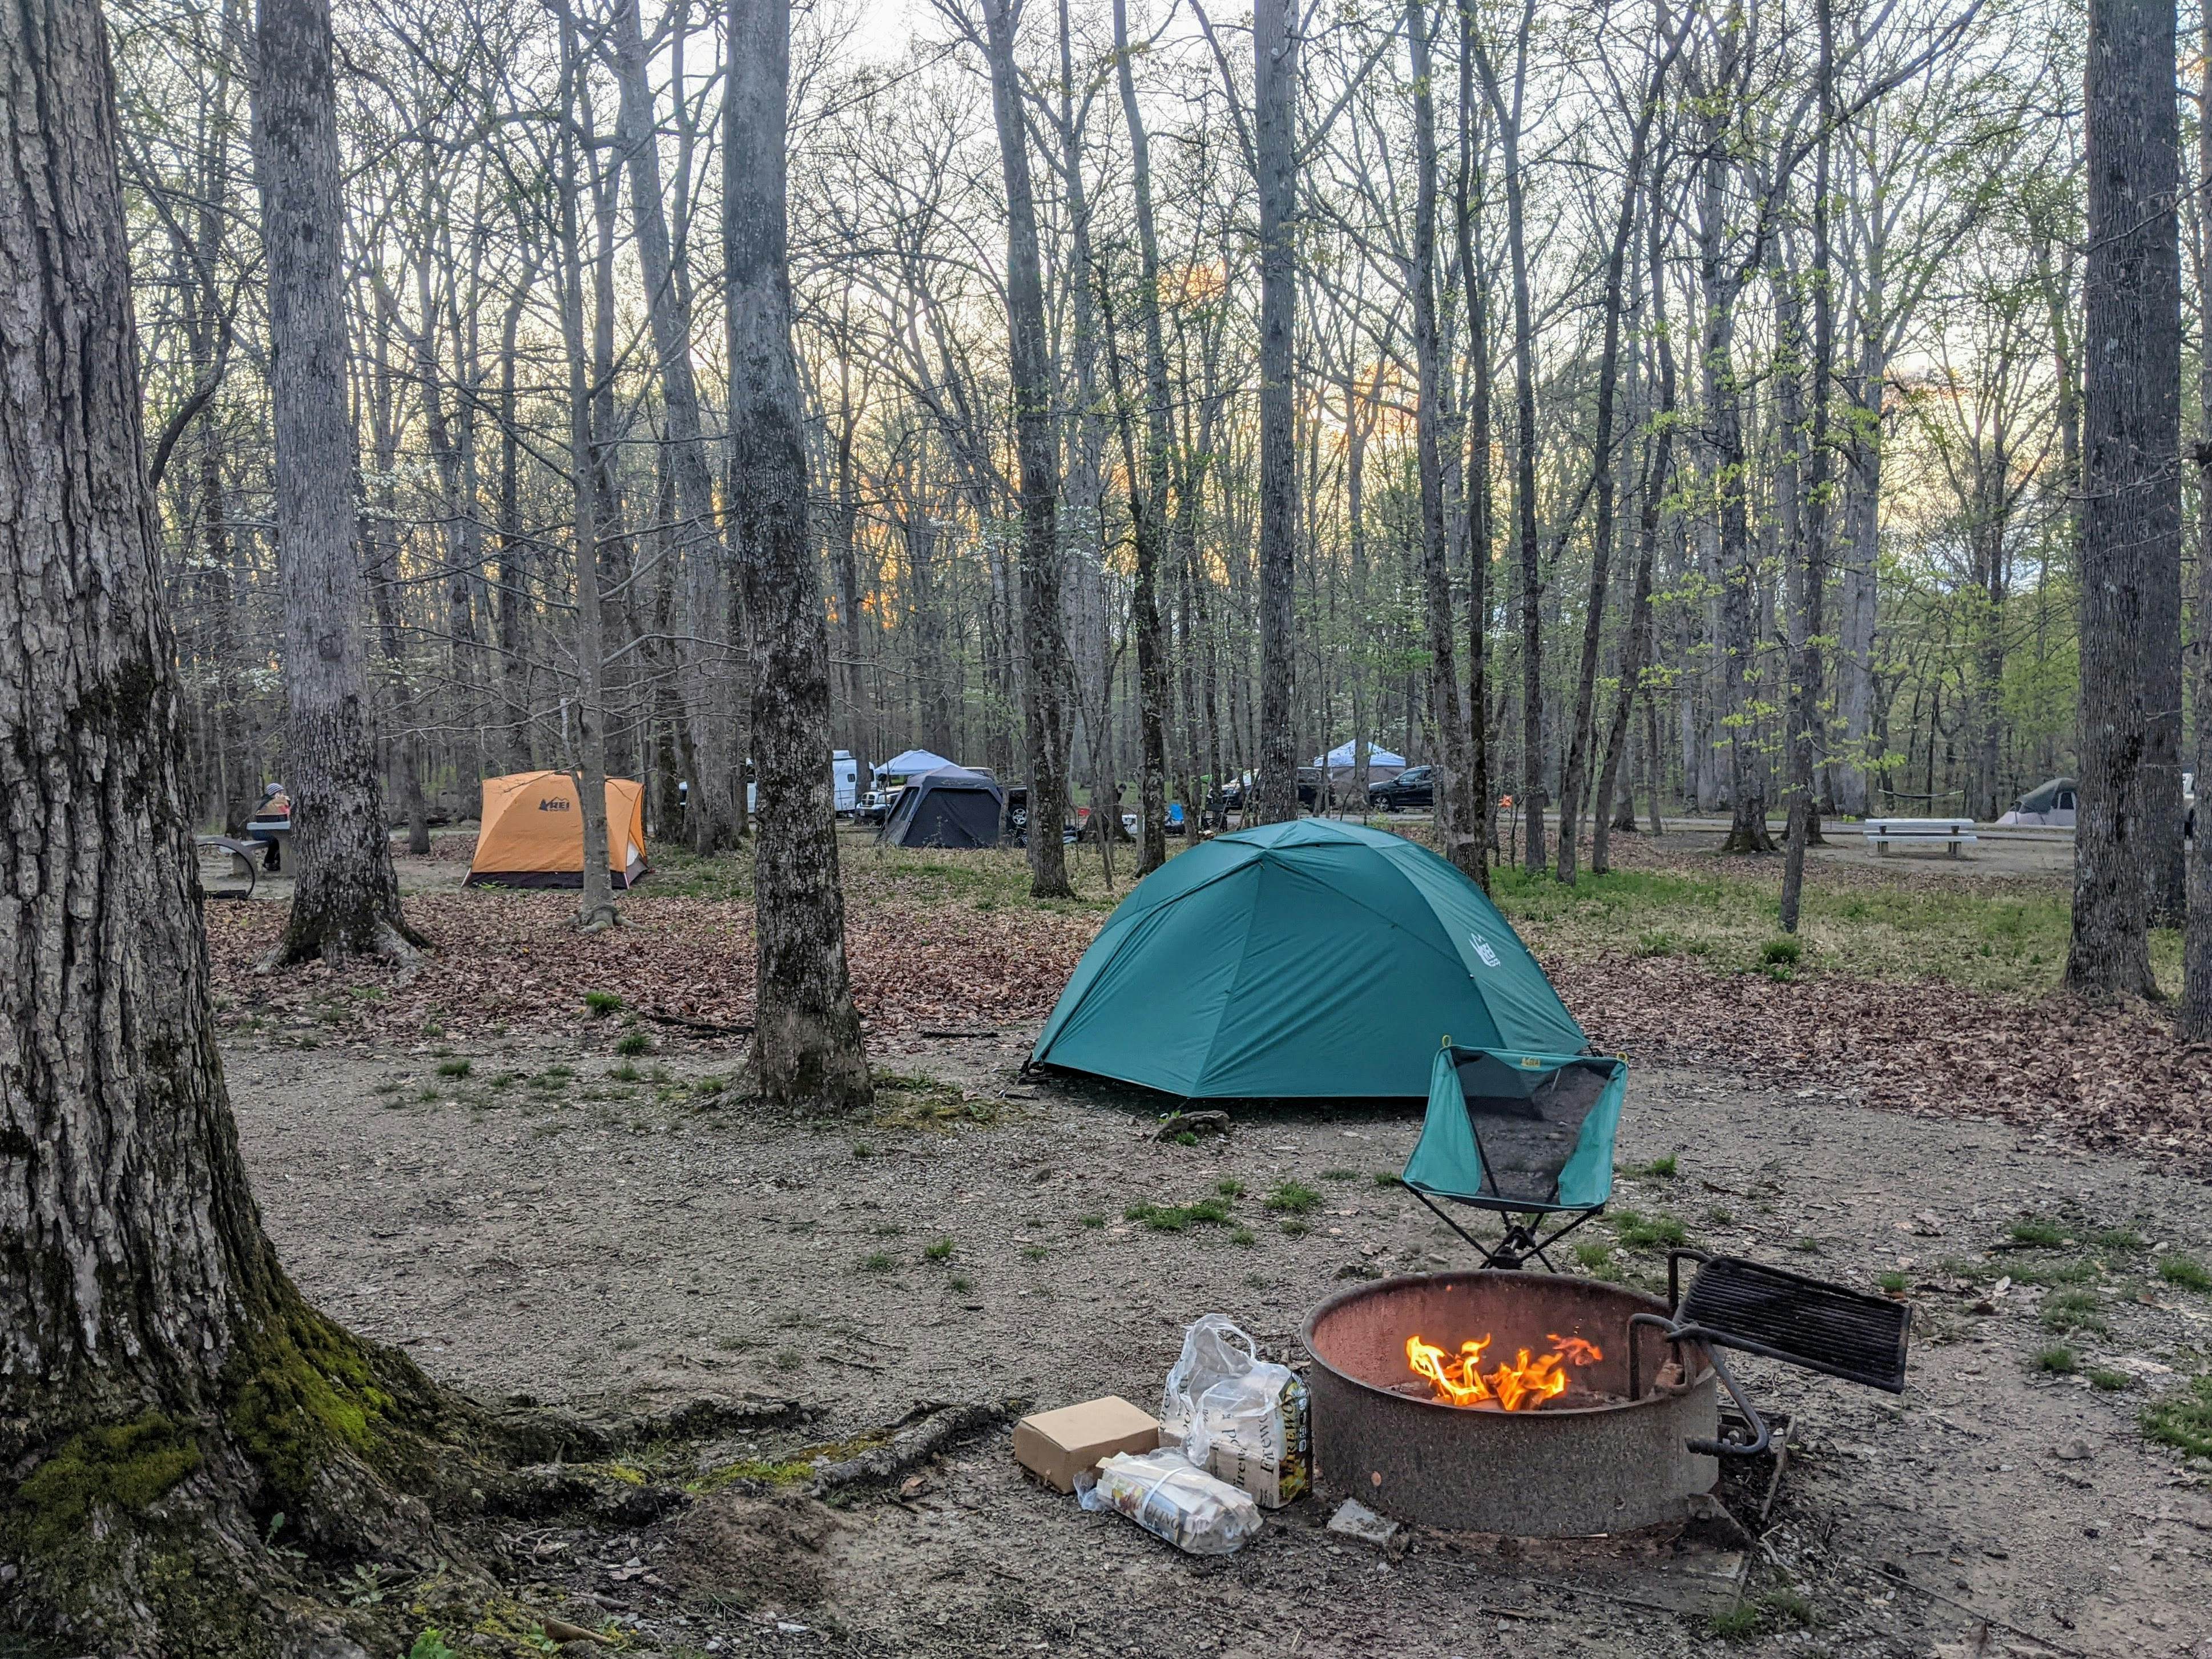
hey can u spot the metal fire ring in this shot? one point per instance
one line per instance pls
(1562, 1471)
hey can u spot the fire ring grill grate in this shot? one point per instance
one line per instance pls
(1806, 1322)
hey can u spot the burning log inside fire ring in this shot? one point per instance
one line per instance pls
(1580, 1457)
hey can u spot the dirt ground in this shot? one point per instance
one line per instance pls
(563, 1223)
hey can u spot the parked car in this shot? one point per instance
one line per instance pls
(1415, 787)
(1017, 817)
(1230, 798)
(875, 806)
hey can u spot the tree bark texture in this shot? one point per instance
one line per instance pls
(2131, 490)
(1274, 160)
(807, 1045)
(163, 1390)
(345, 893)
(1044, 637)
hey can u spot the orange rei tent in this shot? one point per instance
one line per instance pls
(532, 835)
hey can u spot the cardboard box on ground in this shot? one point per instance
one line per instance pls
(1056, 1446)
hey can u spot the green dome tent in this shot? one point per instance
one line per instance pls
(1311, 959)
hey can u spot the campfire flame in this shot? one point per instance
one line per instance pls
(1527, 1383)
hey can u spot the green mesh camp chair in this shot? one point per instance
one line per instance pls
(1526, 1137)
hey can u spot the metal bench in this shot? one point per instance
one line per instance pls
(1953, 833)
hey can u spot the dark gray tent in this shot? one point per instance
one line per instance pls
(950, 806)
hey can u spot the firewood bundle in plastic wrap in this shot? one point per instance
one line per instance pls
(1171, 1498)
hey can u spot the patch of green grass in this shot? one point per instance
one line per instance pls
(454, 1068)
(2059, 1362)
(1186, 1138)
(634, 1043)
(2117, 1238)
(1805, 1246)
(1894, 1283)
(1094, 1222)
(2184, 1270)
(1659, 1169)
(889, 1230)
(1593, 1253)
(1737, 1623)
(1642, 1232)
(1719, 1217)
(789, 1359)
(861, 1149)
(1722, 913)
(1230, 1189)
(1294, 1227)
(602, 1003)
(1244, 1237)
(1784, 951)
(1034, 1253)
(625, 1072)
(2183, 1419)
(1180, 1218)
(1789, 1604)
(2072, 1311)
(1292, 1197)
(2039, 1232)
(2109, 1382)
(960, 1284)
(938, 1249)
(1340, 1175)
(878, 1262)
(1387, 1178)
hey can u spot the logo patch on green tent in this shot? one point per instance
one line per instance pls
(1531, 1063)
(1482, 949)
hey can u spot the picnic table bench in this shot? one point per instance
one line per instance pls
(1953, 833)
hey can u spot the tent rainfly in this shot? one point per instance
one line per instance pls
(530, 832)
(950, 806)
(910, 765)
(1307, 959)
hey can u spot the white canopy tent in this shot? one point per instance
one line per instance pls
(911, 764)
(1381, 764)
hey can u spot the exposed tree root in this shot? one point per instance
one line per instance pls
(922, 1433)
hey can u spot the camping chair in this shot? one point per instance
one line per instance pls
(1526, 1137)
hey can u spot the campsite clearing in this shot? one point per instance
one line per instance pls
(595, 1224)
(545, 1188)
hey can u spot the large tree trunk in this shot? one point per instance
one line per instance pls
(345, 895)
(807, 1047)
(1274, 158)
(1044, 636)
(163, 1389)
(2130, 495)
